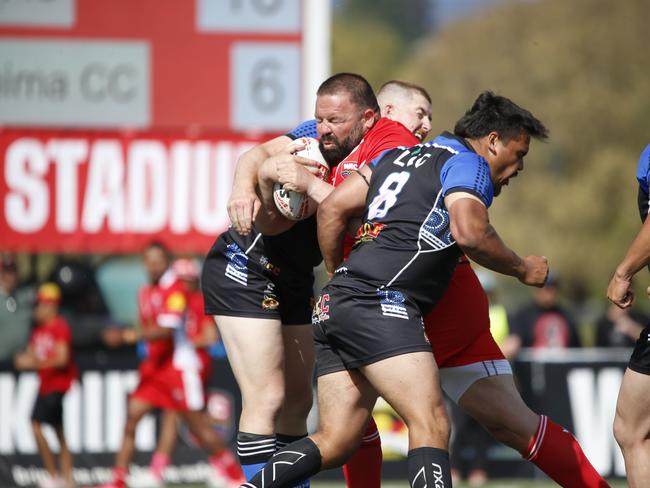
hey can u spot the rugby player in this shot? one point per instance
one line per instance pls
(401, 267)
(632, 420)
(170, 373)
(473, 370)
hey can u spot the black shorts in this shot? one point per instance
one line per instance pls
(48, 409)
(354, 327)
(640, 360)
(240, 282)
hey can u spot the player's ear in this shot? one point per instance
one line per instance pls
(369, 118)
(492, 139)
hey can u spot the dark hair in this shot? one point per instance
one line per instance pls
(161, 247)
(355, 85)
(494, 113)
(406, 85)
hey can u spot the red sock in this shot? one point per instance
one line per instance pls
(225, 463)
(119, 476)
(363, 469)
(159, 462)
(555, 451)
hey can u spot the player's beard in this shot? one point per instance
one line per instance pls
(341, 149)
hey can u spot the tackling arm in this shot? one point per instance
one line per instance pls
(619, 290)
(346, 201)
(243, 204)
(471, 228)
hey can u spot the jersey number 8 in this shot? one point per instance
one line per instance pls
(387, 196)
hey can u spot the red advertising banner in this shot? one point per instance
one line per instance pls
(111, 192)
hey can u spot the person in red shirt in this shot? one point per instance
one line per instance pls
(170, 374)
(50, 353)
(201, 331)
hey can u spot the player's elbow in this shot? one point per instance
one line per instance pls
(467, 237)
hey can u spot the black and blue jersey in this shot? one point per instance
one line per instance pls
(405, 243)
(643, 177)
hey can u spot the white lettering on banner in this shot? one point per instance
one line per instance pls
(183, 187)
(593, 407)
(147, 183)
(68, 155)
(94, 413)
(27, 206)
(104, 196)
(180, 194)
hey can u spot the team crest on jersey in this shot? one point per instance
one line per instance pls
(368, 232)
(321, 309)
(176, 302)
(236, 269)
(392, 303)
(270, 300)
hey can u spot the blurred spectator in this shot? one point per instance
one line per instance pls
(50, 354)
(619, 327)
(542, 324)
(82, 303)
(16, 305)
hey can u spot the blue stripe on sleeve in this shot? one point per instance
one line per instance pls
(643, 169)
(470, 172)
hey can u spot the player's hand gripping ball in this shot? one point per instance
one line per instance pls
(292, 204)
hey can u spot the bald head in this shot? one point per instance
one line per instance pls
(408, 104)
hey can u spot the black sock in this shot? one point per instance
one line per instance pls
(289, 466)
(282, 440)
(429, 467)
(254, 450)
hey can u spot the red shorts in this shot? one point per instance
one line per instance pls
(459, 325)
(170, 388)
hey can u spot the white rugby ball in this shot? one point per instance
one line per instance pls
(292, 204)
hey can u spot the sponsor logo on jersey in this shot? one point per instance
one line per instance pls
(392, 304)
(368, 232)
(270, 300)
(269, 266)
(176, 302)
(236, 268)
(321, 309)
(341, 270)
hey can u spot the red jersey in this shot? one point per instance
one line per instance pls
(196, 322)
(43, 342)
(385, 134)
(161, 305)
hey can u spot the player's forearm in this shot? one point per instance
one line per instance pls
(319, 190)
(247, 167)
(638, 255)
(156, 333)
(269, 220)
(484, 246)
(331, 230)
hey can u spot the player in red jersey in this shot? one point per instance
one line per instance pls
(170, 374)
(50, 354)
(201, 331)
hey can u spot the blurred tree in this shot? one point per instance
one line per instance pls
(372, 37)
(583, 68)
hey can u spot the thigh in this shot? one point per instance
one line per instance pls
(255, 349)
(409, 383)
(298, 343)
(633, 405)
(496, 403)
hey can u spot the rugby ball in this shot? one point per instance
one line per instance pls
(294, 205)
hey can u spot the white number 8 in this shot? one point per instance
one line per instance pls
(387, 196)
